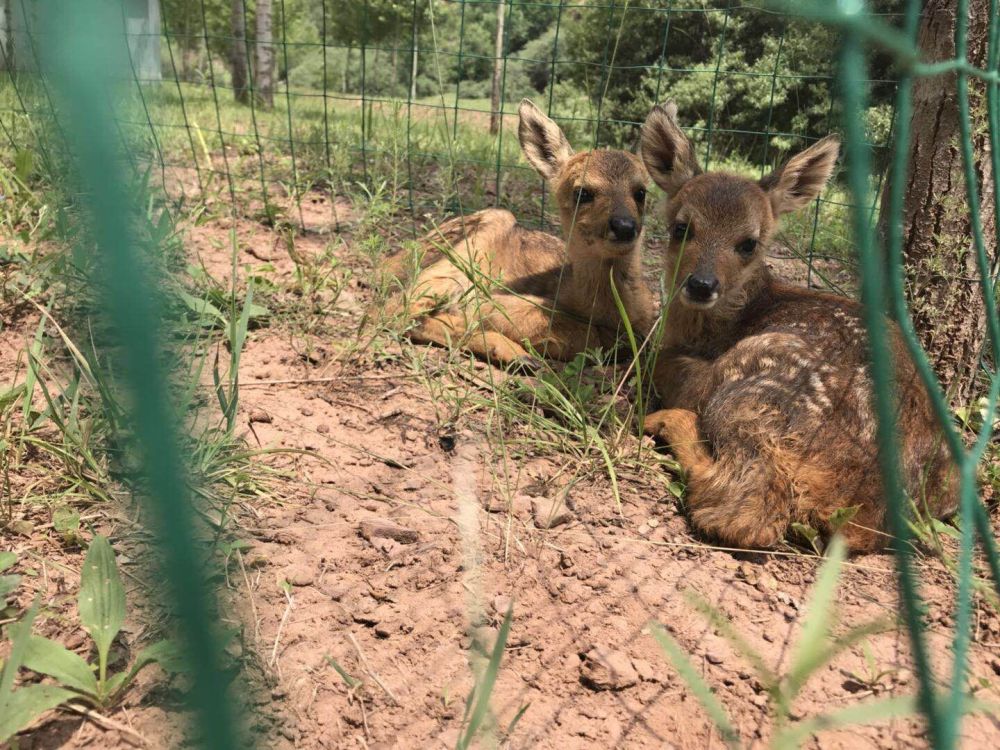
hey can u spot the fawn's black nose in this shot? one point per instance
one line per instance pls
(701, 288)
(623, 228)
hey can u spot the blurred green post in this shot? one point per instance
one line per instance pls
(82, 66)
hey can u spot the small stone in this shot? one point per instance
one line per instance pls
(548, 514)
(323, 429)
(714, 650)
(305, 411)
(605, 669)
(261, 416)
(501, 603)
(299, 574)
(386, 529)
(646, 671)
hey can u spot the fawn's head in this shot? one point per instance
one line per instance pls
(720, 223)
(601, 193)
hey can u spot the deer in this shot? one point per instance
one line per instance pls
(764, 387)
(493, 287)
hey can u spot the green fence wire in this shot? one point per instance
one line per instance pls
(343, 120)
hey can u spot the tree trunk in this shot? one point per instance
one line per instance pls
(238, 57)
(943, 291)
(495, 102)
(264, 72)
(413, 72)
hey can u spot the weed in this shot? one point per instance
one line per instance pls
(815, 648)
(101, 607)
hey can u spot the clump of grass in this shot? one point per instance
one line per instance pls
(815, 648)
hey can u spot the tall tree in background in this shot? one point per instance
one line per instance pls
(943, 291)
(238, 55)
(264, 69)
(495, 103)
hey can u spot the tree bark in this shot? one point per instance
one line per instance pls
(238, 57)
(264, 70)
(495, 102)
(943, 291)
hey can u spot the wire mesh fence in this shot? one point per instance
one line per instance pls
(377, 95)
(398, 95)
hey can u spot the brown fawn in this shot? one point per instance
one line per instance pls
(490, 286)
(765, 387)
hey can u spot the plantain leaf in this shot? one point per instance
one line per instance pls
(47, 657)
(162, 652)
(102, 598)
(22, 707)
(6, 560)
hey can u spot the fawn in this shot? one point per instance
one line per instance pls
(555, 295)
(765, 388)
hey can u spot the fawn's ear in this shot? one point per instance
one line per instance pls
(803, 177)
(542, 141)
(666, 151)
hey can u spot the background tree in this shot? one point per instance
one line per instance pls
(942, 279)
(264, 69)
(495, 103)
(238, 59)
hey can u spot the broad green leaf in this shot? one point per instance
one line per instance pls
(163, 652)
(20, 709)
(6, 560)
(204, 309)
(697, 685)
(65, 519)
(7, 585)
(864, 713)
(811, 647)
(45, 656)
(102, 597)
(843, 516)
(484, 688)
(19, 633)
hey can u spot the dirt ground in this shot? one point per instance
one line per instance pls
(398, 541)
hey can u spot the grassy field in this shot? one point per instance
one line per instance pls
(310, 420)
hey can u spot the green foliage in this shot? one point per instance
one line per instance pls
(101, 607)
(477, 705)
(20, 708)
(815, 648)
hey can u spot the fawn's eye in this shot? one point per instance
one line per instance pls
(747, 247)
(682, 231)
(583, 196)
(640, 196)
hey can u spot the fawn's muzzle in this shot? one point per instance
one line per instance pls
(623, 228)
(701, 290)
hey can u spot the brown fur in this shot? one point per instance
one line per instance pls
(490, 286)
(766, 393)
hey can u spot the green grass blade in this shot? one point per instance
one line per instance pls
(680, 661)
(484, 687)
(796, 735)
(811, 647)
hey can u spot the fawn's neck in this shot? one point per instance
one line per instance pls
(591, 282)
(708, 331)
